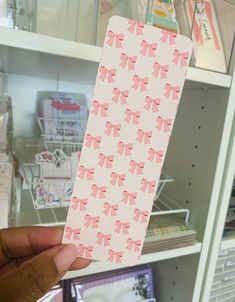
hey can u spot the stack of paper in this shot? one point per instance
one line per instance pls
(167, 235)
(5, 125)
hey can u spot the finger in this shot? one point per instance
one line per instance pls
(36, 276)
(11, 266)
(21, 242)
(78, 262)
(14, 265)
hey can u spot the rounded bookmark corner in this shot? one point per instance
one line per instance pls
(115, 19)
(188, 41)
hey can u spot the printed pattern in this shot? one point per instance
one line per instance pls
(138, 87)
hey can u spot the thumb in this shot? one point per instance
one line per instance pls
(38, 275)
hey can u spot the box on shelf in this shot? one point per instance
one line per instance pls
(162, 15)
(132, 285)
(6, 126)
(62, 116)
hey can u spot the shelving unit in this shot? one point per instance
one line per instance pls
(196, 157)
(218, 243)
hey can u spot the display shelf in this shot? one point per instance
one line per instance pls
(55, 58)
(228, 242)
(100, 267)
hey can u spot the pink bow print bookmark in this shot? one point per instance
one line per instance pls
(137, 92)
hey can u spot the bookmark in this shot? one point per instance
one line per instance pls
(138, 88)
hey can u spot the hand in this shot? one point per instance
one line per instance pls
(32, 261)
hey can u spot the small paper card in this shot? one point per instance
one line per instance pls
(136, 96)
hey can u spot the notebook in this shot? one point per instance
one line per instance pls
(128, 285)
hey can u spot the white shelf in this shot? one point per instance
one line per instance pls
(50, 57)
(98, 267)
(228, 243)
(48, 45)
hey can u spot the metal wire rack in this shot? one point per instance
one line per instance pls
(69, 130)
(163, 205)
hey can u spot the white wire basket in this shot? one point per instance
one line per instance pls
(163, 205)
(47, 193)
(52, 191)
(57, 193)
(67, 147)
(57, 129)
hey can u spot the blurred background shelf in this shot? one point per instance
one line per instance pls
(33, 54)
(228, 242)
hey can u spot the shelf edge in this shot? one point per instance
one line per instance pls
(49, 45)
(100, 267)
(70, 49)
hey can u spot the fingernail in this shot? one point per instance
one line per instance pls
(65, 257)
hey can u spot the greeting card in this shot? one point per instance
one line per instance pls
(137, 92)
(208, 49)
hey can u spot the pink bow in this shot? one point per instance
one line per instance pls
(98, 191)
(132, 116)
(167, 35)
(85, 172)
(133, 244)
(115, 256)
(154, 154)
(150, 185)
(110, 209)
(144, 136)
(108, 74)
(127, 61)
(72, 233)
(106, 161)
(101, 108)
(174, 90)
(103, 239)
(151, 103)
(124, 148)
(117, 179)
(91, 221)
(180, 55)
(136, 26)
(93, 140)
(129, 197)
(112, 129)
(85, 251)
(117, 37)
(140, 215)
(148, 47)
(136, 167)
(163, 123)
(82, 202)
(122, 226)
(140, 82)
(160, 69)
(120, 95)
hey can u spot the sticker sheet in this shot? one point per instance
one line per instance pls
(137, 92)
